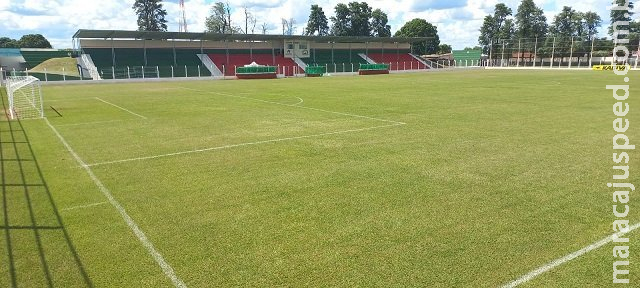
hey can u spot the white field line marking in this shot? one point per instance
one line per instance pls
(301, 101)
(555, 263)
(124, 109)
(240, 145)
(301, 107)
(67, 99)
(88, 123)
(166, 268)
(83, 206)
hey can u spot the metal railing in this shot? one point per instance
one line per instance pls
(557, 52)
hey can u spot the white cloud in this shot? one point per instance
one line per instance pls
(458, 23)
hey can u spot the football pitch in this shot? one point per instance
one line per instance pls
(448, 179)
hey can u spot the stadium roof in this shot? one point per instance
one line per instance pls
(152, 35)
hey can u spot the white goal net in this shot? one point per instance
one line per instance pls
(25, 97)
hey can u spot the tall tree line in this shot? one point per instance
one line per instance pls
(570, 32)
(529, 22)
(351, 19)
(26, 41)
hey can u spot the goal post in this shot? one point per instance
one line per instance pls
(25, 97)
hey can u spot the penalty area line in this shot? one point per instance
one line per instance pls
(240, 145)
(296, 106)
(121, 108)
(89, 123)
(557, 262)
(164, 265)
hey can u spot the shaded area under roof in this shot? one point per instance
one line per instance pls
(152, 35)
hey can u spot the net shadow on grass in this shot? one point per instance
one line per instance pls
(21, 174)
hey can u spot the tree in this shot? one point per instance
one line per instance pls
(621, 15)
(357, 19)
(634, 27)
(6, 42)
(379, 25)
(530, 21)
(444, 49)
(253, 21)
(497, 27)
(341, 21)
(288, 26)
(317, 23)
(291, 26)
(421, 28)
(591, 21)
(284, 26)
(360, 13)
(249, 20)
(567, 23)
(150, 15)
(219, 21)
(264, 27)
(34, 41)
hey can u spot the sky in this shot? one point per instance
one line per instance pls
(458, 21)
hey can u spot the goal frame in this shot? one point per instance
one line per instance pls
(25, 97)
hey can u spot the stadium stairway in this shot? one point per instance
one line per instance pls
(365, 57)
(87, 64)
(213, 69)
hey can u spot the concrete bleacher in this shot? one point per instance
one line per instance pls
(166, 61)
(398, 61)
(338, 61)
(131, 60)
(241, 58)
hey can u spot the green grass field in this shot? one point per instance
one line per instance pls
(66, 65)
(451, 179)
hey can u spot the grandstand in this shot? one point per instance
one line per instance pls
(398, 60)
(136, 54)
